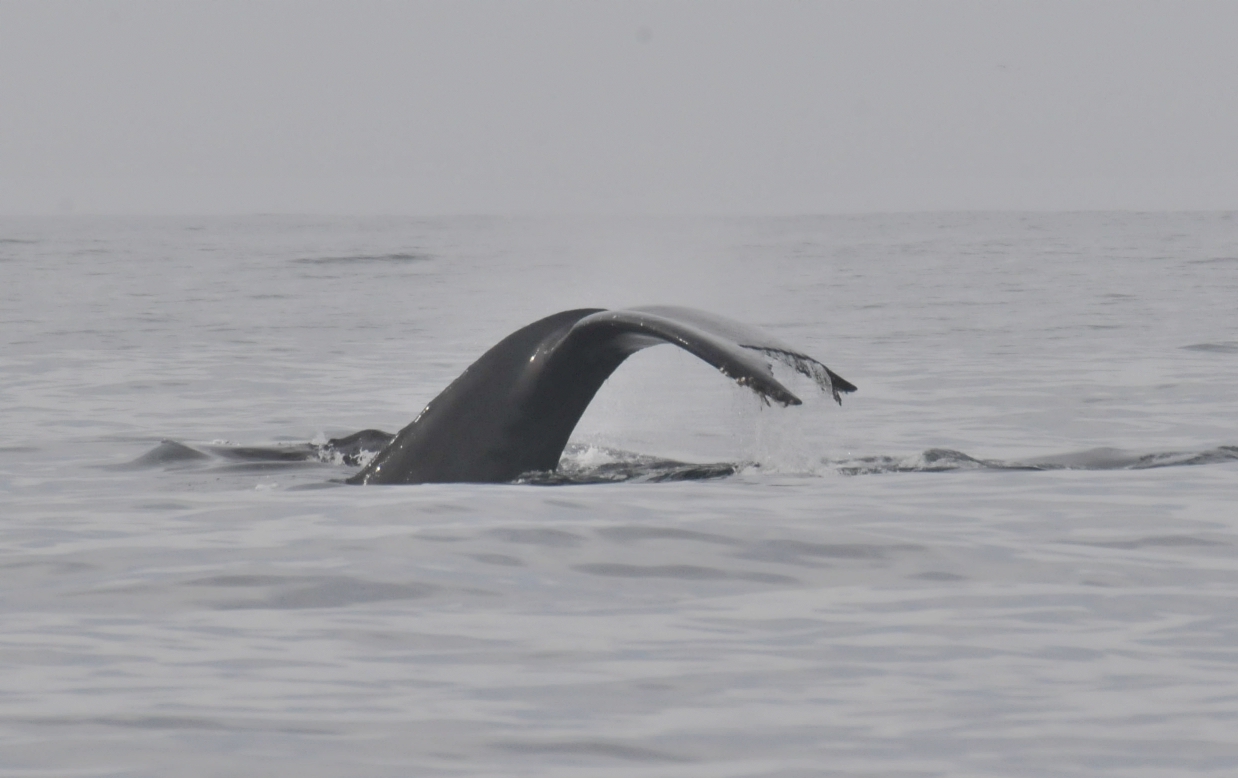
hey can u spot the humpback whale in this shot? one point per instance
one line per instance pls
(511, 412)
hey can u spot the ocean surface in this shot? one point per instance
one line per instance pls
(1013, 552)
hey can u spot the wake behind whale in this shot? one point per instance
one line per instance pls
(583, 464)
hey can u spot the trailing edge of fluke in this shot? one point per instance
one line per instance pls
(512, 411)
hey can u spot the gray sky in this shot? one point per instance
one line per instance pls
(640, 107)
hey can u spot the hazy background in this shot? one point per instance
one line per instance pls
(636, 107)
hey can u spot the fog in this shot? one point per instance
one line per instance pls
(616, 108)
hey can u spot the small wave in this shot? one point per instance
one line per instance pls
(168, 453)
(400, 256)
(1226, 347)
(937, 460)
(1153, 541)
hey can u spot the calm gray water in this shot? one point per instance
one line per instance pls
(1011, 553)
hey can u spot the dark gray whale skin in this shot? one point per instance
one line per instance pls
(512, 411)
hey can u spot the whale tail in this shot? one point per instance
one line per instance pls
(512, 411)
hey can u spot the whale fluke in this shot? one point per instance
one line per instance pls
(512, 411)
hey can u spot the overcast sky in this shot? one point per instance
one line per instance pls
(633, 107)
